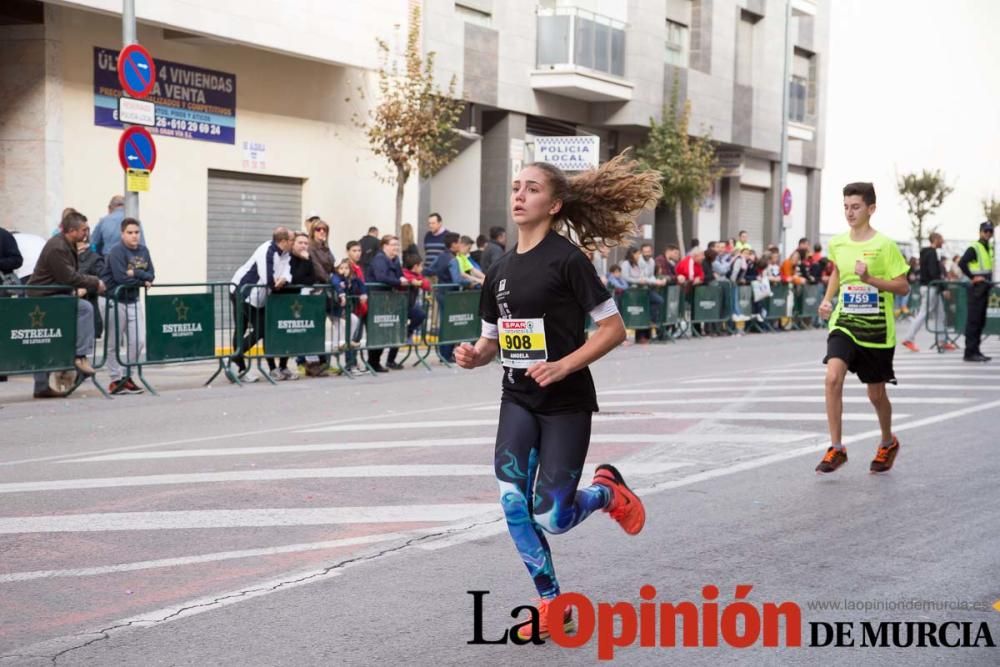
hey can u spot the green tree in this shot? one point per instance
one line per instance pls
(412, 125)
(687, 164)
(991, 209)
(922, 193)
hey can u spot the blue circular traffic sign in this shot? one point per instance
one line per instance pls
(136, 149)
(786, 201)
(136, 71)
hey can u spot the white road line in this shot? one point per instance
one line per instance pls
(205, 558)
(900, 376)
(904, 368)
(249, 518)
(774, 385)
(648, 416)
(896, 400)
(613, 438)
(343, 472)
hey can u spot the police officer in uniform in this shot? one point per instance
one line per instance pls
(977, 264)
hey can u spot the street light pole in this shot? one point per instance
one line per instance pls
(784, 126)
(129, 37)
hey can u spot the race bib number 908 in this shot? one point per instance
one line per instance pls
(522, 342)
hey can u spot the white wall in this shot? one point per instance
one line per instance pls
(295, 107)
(455, 192)
(912, 86)
(798, 183)
(333, 31)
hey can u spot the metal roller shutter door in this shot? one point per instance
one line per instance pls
(243, 210)
(752, 206)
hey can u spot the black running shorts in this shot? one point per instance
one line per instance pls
(872, 365)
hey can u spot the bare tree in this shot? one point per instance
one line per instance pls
(412, 125)
(922, 193)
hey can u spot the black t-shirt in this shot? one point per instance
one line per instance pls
(554, 281)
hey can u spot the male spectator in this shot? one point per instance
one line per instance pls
(691, 269)
(108, 232)
(446, 270)
(413, 271)
(695, 243)
(269, 268)
(477, 254)
(666, 264)
(743, 243)
(930, 296)
(386, 269)
(495, 248)
(127, 268)
(647, 270)
(59, 264)
(465, 263)
(369, 246)
(434, 243)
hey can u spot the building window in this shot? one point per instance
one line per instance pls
(569, 36)
(744, 48)
(479, 12)
(802, 88)
(677, 44)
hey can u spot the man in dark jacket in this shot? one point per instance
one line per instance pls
(128, 267)
(930, 297)
(495, 248)
(10, 259)
(58, 264)
(977, 265)
(386, 269)
(369, 246)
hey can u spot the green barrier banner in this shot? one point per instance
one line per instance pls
(179, 326)
(957, 307)
(745, 299)
(992, 327)
(807, 305)
(779, 301)
(37, 333)
(635, 308)
(672, 301)
(460, 317)
(707, 303)
(295, 324)
(386, 320)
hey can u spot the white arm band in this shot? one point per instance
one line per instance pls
(490, 331)
(604, 310)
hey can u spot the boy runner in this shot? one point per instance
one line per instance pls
(868, 270)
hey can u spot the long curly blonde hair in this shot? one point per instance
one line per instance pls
(600, 206)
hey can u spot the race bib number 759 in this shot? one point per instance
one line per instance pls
(522, 342)
(860, 299)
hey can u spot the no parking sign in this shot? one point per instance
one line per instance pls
(136, 71)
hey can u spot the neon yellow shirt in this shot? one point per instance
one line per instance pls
(863, 312)
(464, 263)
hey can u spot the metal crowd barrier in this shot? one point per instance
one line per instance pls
(38, 333)
(170, 323)
(453, 319)
(954, 297)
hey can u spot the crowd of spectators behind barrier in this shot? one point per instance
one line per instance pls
(112, 262)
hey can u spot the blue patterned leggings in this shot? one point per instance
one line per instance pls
(538, 462)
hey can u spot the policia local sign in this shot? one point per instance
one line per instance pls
(191, 102)
(577, 153)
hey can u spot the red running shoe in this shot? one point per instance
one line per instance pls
(625, 507)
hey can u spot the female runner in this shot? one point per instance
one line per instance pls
(534, 308)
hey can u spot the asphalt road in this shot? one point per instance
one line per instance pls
(337, 522)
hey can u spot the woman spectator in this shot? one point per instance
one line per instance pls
(407, 240)
(631, 269)
(319, 251)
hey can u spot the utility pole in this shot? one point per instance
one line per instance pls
(784, 127)
(129, 37)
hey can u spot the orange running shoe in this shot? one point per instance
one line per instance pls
(885, 456)
(569, 623)
(911, 346)
(625, 507)
(834, 459)
(949, 347)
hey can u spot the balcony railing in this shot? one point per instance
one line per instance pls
(570, 37)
